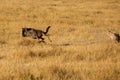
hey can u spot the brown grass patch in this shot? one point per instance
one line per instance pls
(80, 48)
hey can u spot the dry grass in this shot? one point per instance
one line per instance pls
(80, 47)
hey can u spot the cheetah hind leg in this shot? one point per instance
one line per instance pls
(49, 39)
(42, 40)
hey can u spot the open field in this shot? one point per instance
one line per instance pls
(80, 48)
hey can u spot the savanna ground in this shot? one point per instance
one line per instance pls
(80, 48)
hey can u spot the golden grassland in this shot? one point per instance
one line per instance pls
(80, 48)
